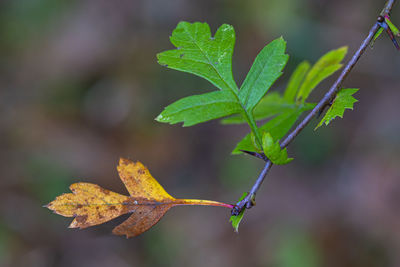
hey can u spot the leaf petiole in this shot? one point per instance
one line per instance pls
(201, 202)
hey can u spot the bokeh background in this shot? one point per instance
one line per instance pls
(80, 87)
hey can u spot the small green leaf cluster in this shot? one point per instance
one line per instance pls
(273, 150)
(210, 57)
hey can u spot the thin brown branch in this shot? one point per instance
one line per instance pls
(248, 201)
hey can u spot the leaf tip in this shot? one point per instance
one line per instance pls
(341, 52)
(235, 221)
(117, 231)
(289, 160)
(226, 27)
(158, 55)
(73, 224)
(344, 48)
(162, 118)
(51, 207)
(124, 162)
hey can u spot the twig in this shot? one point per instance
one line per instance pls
(248, 201)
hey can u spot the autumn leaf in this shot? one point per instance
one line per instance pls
(91, 204)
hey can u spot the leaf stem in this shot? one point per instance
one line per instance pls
(253, 126)
(201, 202)
(329, 96)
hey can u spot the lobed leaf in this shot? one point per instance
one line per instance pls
(90, 204)
(343, 100)
(211, 58)
(201, 108)
(201, 54)
(325, 67)
(266, 69)
(273, 150)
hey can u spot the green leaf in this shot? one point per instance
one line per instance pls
(245, 144)
(211, 58)
(343, 100)
(376, 36)
(196, 109)
(270, 105)
(236, 219)
(234, 119)
(273, 150)
(393, 28)
(267, 67)
(200, 54)
(295, 81)
(277, 127)
(325, 67)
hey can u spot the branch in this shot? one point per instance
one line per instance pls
(248, 201)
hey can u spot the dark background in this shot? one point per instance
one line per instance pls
(80, 87)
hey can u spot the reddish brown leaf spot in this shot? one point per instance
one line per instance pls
(105, 191)
(81, 219)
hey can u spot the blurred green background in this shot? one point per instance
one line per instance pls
(80, 87)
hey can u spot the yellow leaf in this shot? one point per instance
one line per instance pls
(139, 182)
(91, 204)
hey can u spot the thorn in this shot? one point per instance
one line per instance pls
(256, 154)
(391, 36)
(329, 104)
(251, 202)
(385, 26)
